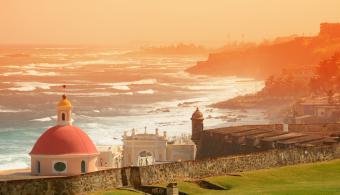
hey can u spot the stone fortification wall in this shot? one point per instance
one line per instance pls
(80, 184)
(187, 170)
(190, 170)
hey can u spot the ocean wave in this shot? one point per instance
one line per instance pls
(58, 48)
(53, 55)
(49, 118)
(4, 110)
(133, 67)
(205, 87)
(139, 82)
(100, 62)
(92, 62)
(31, 86)
(45, 119)
(116, 52)
(17, 161)
(37, 73)
(89, 94)
(76, 64)
(148, 91)
(6, 74)
(29, 73)
(16, 164)
(45, 65)
(125, 85)
(176, 103)
(121, 87)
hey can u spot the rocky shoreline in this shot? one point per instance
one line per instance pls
(253, 101)
(274, 107)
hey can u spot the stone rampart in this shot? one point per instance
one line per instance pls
(186, 170)
(80, 184)
(190, 170)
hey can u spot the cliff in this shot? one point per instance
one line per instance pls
(266, 59)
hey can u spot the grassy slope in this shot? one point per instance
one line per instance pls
(318, 178)
(309, 179)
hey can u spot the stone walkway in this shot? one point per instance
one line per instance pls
(18, 174)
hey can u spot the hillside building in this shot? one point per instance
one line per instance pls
(315, 110)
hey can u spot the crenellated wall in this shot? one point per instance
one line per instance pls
(164, 173)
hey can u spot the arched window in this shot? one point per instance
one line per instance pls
(145, 158)
(38, 167)
(83, 166)
(63, 116)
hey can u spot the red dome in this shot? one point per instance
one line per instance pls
(64, 140)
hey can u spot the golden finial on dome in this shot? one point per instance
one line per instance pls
(64, 102)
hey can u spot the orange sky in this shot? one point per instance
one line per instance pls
(159, 21)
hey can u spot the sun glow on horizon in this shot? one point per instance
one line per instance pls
(140, 22)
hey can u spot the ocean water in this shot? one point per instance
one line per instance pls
(111, 92)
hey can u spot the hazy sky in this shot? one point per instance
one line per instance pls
(159, 21)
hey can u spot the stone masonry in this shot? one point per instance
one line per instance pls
(165, 173)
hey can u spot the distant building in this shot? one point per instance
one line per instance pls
(315, 110)
(63, 149)
(141, 149)
(110, 156)
(180, 151)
